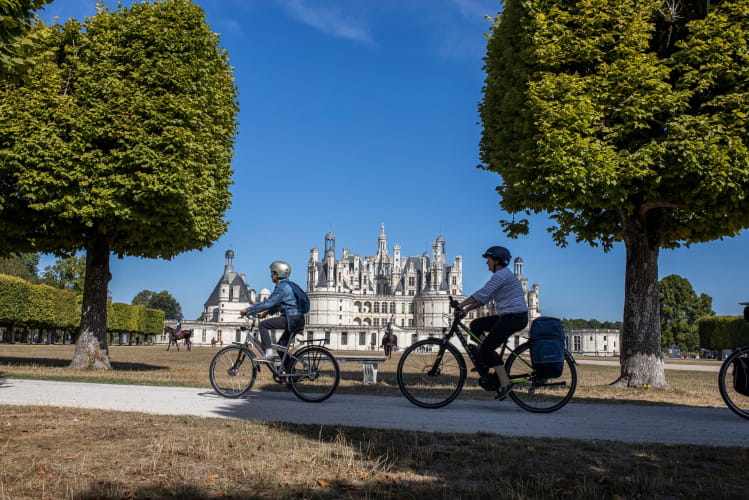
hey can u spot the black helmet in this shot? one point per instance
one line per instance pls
(500, 254)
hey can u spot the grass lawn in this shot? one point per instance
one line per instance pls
(85, 454)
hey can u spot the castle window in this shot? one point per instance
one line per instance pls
(362, 338)
(376, 321)
(392, 308)
(376, 307)
(344, 338)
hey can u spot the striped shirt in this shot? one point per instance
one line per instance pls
(506, 290)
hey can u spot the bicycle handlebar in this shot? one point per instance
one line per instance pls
(456, 305)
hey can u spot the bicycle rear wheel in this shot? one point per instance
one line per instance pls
(430, 374)
(314, 374)
(232, 371)
(535, 394)
(737, 402)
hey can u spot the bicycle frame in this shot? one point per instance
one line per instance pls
(455, 330)
(287, 356)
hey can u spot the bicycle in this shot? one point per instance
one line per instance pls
(431, 372)
(311, 372)
(735, 390)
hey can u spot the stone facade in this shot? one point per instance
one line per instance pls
(353, 297)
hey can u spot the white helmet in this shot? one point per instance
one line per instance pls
(280, 269)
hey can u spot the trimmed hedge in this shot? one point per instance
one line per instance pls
(41, 306)
(723, 332)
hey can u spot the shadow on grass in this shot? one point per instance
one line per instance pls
(231, 489)
(64, 363)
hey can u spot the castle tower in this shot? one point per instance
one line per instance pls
(330, 260)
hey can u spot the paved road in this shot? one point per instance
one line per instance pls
(713, 367)
(617, 422)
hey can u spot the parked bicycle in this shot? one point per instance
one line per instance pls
(311, 371)
(431, 373)
(733, 378)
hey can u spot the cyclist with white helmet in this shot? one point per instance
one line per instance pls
(282, 300)
(512, 312)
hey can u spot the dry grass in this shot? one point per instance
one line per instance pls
(63, 453)
(155, 366)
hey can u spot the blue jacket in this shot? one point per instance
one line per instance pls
(282, 299)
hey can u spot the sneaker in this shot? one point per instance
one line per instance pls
(502, 392)
(268, 358)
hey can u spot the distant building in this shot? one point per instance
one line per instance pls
(593, 342)
(353, 298)
(220, 319)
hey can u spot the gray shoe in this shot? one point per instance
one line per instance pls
(502, 392)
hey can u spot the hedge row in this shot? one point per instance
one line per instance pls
(40, 306)
(723, 332)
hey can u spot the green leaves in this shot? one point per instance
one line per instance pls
(127, 125)
(600, 107)
(680, 308)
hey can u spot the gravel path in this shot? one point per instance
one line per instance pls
(617, 422)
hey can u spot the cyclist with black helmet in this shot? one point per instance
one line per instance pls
(281, 300)
(512, 312)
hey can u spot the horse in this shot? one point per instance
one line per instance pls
(174, 337)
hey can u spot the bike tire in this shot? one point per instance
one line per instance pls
(737, 402)
(314, 374)
(431, 374)
(232, 371)
(539, 395)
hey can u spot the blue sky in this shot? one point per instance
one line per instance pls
(356, 113)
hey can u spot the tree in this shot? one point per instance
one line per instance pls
(16, 46)
(67, 273)
(680, 310)
(163, 301)
(121, 142)
(624, 121)
(23, 266)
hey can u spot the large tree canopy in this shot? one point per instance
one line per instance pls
(624, 120)
(120, 143)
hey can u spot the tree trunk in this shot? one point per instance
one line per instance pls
(91, 349)
(641, 355)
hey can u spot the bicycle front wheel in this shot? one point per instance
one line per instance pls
(232, 371)
(314, 374)
(431, 374)
(539, 395)
(727, 382)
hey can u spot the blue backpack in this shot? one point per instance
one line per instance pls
(547, 347)
(302, 300)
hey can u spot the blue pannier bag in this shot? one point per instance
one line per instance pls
(547, 347)
(302, 300)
